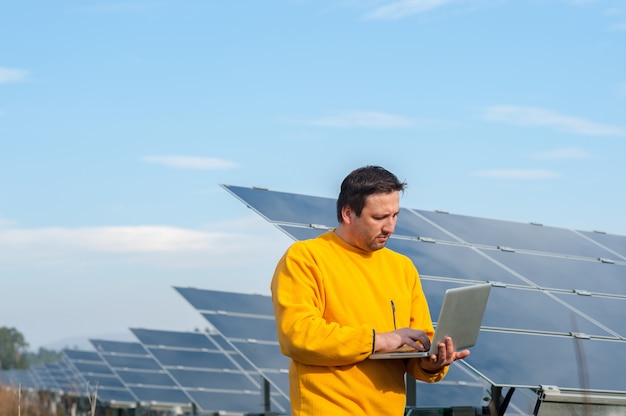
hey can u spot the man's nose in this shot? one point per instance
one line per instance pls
(389, 225)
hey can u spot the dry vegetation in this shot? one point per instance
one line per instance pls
(14, 402)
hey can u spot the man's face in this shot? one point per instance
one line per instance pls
(371, 230)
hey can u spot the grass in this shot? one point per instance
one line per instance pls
(16, 402)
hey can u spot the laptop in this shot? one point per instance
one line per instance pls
(460, 318)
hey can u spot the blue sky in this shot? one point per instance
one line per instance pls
(119, 120)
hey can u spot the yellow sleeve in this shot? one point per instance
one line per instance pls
(299, 302)
(414, 369)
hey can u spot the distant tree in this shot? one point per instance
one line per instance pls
(12, 349)
(43, 356)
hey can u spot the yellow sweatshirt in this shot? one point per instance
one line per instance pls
(329, 298)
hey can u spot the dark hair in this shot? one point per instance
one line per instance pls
(361, 183)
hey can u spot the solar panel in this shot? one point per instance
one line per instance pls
(563, 273)
(286, 207)
(17, 378)
(469, 265)
(235, 303)
(57, 377)
(141, 374)
(270, 362)
(209, 371)
(44, 379)
(615, 244)
(246, 322)
(59, 372)
(554, 315)
(494, 233)
(93, 375)
(164, 375)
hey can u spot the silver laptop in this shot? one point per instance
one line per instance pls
(460, 318)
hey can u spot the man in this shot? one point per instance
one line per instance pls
(340, 297)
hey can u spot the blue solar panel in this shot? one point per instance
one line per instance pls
(92, 367)
(138, 378)
(132, 362)
(519, 236)
(117, 347)
(616, 244)
(287, 207)
(257, 328)
(232, 302)
(469, 264)
(507, 305)
(215, 380)
(44, 379)
(17, 378)
(270, 362)
(301, 233)
(555, 358)
(140, 373)
(264, 354)
(60, 373)
(247, 323)
(606, 311)
(208, 369)
(197, 359)
(174, 339)
(571, 274)
(92, 375)
(557, 299)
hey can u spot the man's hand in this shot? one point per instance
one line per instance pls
(414, 338)
(445, 356)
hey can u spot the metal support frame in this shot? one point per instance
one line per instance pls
(551, 400)
(266, 396)
(411, 391)
(499, 404)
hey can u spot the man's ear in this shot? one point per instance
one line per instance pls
(346, 214)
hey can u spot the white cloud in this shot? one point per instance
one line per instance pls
(532, 116)
(404, 8)
(362, 119)
(242, 242)
(6, 222)
(565, 153)
(518, 174)
(77, 274)
(12, 75)
(190, 162)
(111, 239)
